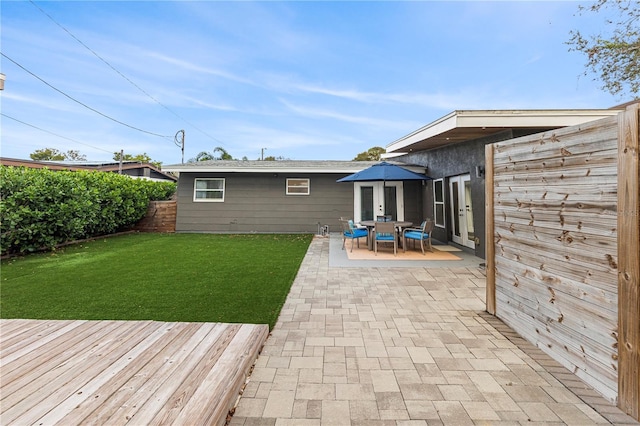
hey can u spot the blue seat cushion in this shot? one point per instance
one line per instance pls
(385, 237)
(356, 233)
(414, 235)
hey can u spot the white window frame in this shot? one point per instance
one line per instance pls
(308, 181)
(208, 200)
(439, 203)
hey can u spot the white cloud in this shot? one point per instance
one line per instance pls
(195, 102)
(533, 59)
(186, 65)
(349, 118)
(462, 96)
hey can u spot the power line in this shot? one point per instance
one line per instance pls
(54, 134)
(83, 104)
(121, 74)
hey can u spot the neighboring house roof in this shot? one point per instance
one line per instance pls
(279, 166)
(465, 125)
(51, 165)
(110, 166)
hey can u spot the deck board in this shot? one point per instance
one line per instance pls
(119, 372)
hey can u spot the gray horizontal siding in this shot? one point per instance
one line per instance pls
(258, 203)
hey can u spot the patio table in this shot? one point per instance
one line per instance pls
(370, 224)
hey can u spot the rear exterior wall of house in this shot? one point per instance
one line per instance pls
(258, 203)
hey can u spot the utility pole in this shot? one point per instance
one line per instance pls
(120, 164)
(180, 142)
(262, 153)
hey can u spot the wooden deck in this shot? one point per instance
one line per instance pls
(119, 372)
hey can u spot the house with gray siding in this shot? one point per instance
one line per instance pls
(452, 151)
(299, 196)
(239, 196)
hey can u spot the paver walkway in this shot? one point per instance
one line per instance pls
(404, 346)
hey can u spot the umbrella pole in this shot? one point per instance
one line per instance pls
(384, 198)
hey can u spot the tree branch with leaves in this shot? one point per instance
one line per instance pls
(372, 154)
(614, 57)
(218, 153)
(141, 158)
(52, 154)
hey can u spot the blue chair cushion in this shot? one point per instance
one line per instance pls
(385, 237)
(415, 235)
(356, 233)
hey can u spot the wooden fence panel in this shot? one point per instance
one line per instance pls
(160, 217)
(629, 253)
(555, 230)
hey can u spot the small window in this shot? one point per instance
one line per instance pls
(211, 190)
(438, 202)
(297, 186)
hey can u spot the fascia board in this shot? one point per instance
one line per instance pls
(499, 119)
(262, 170)
(444, 124)
(516, 119)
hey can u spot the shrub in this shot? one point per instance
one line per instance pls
(40, 208)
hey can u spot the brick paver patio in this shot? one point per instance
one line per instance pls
(405, 346)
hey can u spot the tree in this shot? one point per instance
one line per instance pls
(224, 155)
(207, 156)
(372, 154)
(141, 158)
(202, 156)
(52, 154)
(74, 155)
(615, 57)
(47, 154)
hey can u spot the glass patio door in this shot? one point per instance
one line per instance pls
(372, 199)
(462, 211)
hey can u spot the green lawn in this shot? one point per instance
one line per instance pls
(163, 277)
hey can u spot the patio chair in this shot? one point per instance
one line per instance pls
(349, 230)
(385, 232)
(422, 234)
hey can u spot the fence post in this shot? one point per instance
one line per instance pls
(489, 231)
(629, 261)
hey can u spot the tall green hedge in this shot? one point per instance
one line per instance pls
(40, 208)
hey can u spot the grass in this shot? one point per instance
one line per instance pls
(162, 277)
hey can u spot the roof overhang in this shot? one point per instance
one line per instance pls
(286, 166)
(250, 166)
(461, 126)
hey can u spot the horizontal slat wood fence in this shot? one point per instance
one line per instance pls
(160, 217)
(554, 254)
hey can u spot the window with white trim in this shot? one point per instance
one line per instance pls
(298, 187)
(438, 202)
(208, 190)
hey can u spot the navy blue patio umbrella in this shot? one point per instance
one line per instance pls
(383, 172)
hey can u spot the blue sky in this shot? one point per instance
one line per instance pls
(305, 80)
